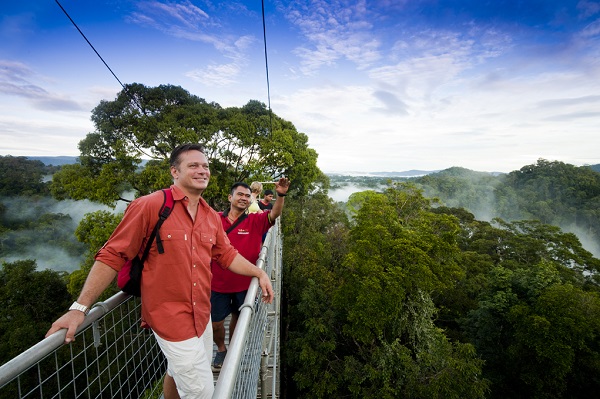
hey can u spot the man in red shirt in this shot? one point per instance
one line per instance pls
(175, 285)
(228, 290)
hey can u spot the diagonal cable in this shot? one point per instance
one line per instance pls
(88, 42)
(267, 66)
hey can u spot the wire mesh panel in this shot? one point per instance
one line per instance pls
(248, 374)
(111, 358)
(261, 326)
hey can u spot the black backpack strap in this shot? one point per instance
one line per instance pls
(163, 214)
(237, 221)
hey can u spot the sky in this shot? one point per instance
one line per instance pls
(383, 85)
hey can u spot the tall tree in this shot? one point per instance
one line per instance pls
(148, 122)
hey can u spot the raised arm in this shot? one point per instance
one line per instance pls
(281, 189)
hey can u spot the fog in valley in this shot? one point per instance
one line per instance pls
(484, 211)
(41, 241)
(341, 194)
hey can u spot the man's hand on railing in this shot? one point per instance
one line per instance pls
(267, 289)
(70, 320)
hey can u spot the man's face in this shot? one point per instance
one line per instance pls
(240, 198)
(193, 173)
(268, 198)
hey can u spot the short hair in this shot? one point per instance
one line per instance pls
(256, 187)
(238, 184)
(175, 159)
(269, 192)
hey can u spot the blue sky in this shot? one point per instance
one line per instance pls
(375, 85)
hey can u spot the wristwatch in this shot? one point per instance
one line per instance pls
(80, 307)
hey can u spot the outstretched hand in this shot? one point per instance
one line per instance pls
(282, 185)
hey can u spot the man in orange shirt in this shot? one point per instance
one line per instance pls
(176, 284)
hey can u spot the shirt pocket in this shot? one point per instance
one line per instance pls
(208, 240)
(175, 245)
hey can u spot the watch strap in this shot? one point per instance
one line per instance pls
(80, 307)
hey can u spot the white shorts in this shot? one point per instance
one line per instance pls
(188, 362)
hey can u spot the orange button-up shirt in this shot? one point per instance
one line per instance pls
(175, 284)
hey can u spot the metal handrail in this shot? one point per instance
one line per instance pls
(113, 355)
(250, 328)
(11, 369)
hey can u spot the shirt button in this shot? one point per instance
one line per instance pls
(194, 265)
(194, 284)
(194, 303)
(168, 235)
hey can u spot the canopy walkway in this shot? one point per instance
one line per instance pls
(113, 357)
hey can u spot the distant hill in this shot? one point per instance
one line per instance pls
(408, 173)
(457, 171)
(65, 160)
(56, 161)
(595, 167)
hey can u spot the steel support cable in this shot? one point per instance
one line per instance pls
(267, 67)
(133, 99)
(88, 42)
(101, 59)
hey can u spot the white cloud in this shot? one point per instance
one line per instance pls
(335, 31)
(216, 75)
(17, 79)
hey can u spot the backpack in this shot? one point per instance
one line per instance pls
(130, 275)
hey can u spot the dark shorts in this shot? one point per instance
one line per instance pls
(222, 304)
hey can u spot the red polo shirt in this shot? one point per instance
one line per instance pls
(246, 237)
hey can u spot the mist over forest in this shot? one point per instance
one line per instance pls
(36, 226)
(490, 195)
(44, 230)
(59, 250)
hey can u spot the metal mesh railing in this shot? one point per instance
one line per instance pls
(242, 374)
(112, 357)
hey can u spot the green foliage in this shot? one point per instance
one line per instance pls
(554, 193)
(427, 296)
(504, 302)
(20, 176)
(356, 201)
(30, 300)
(537, 333)
(93, 230)
(247, 143)
(364, 327)
(459, 187)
